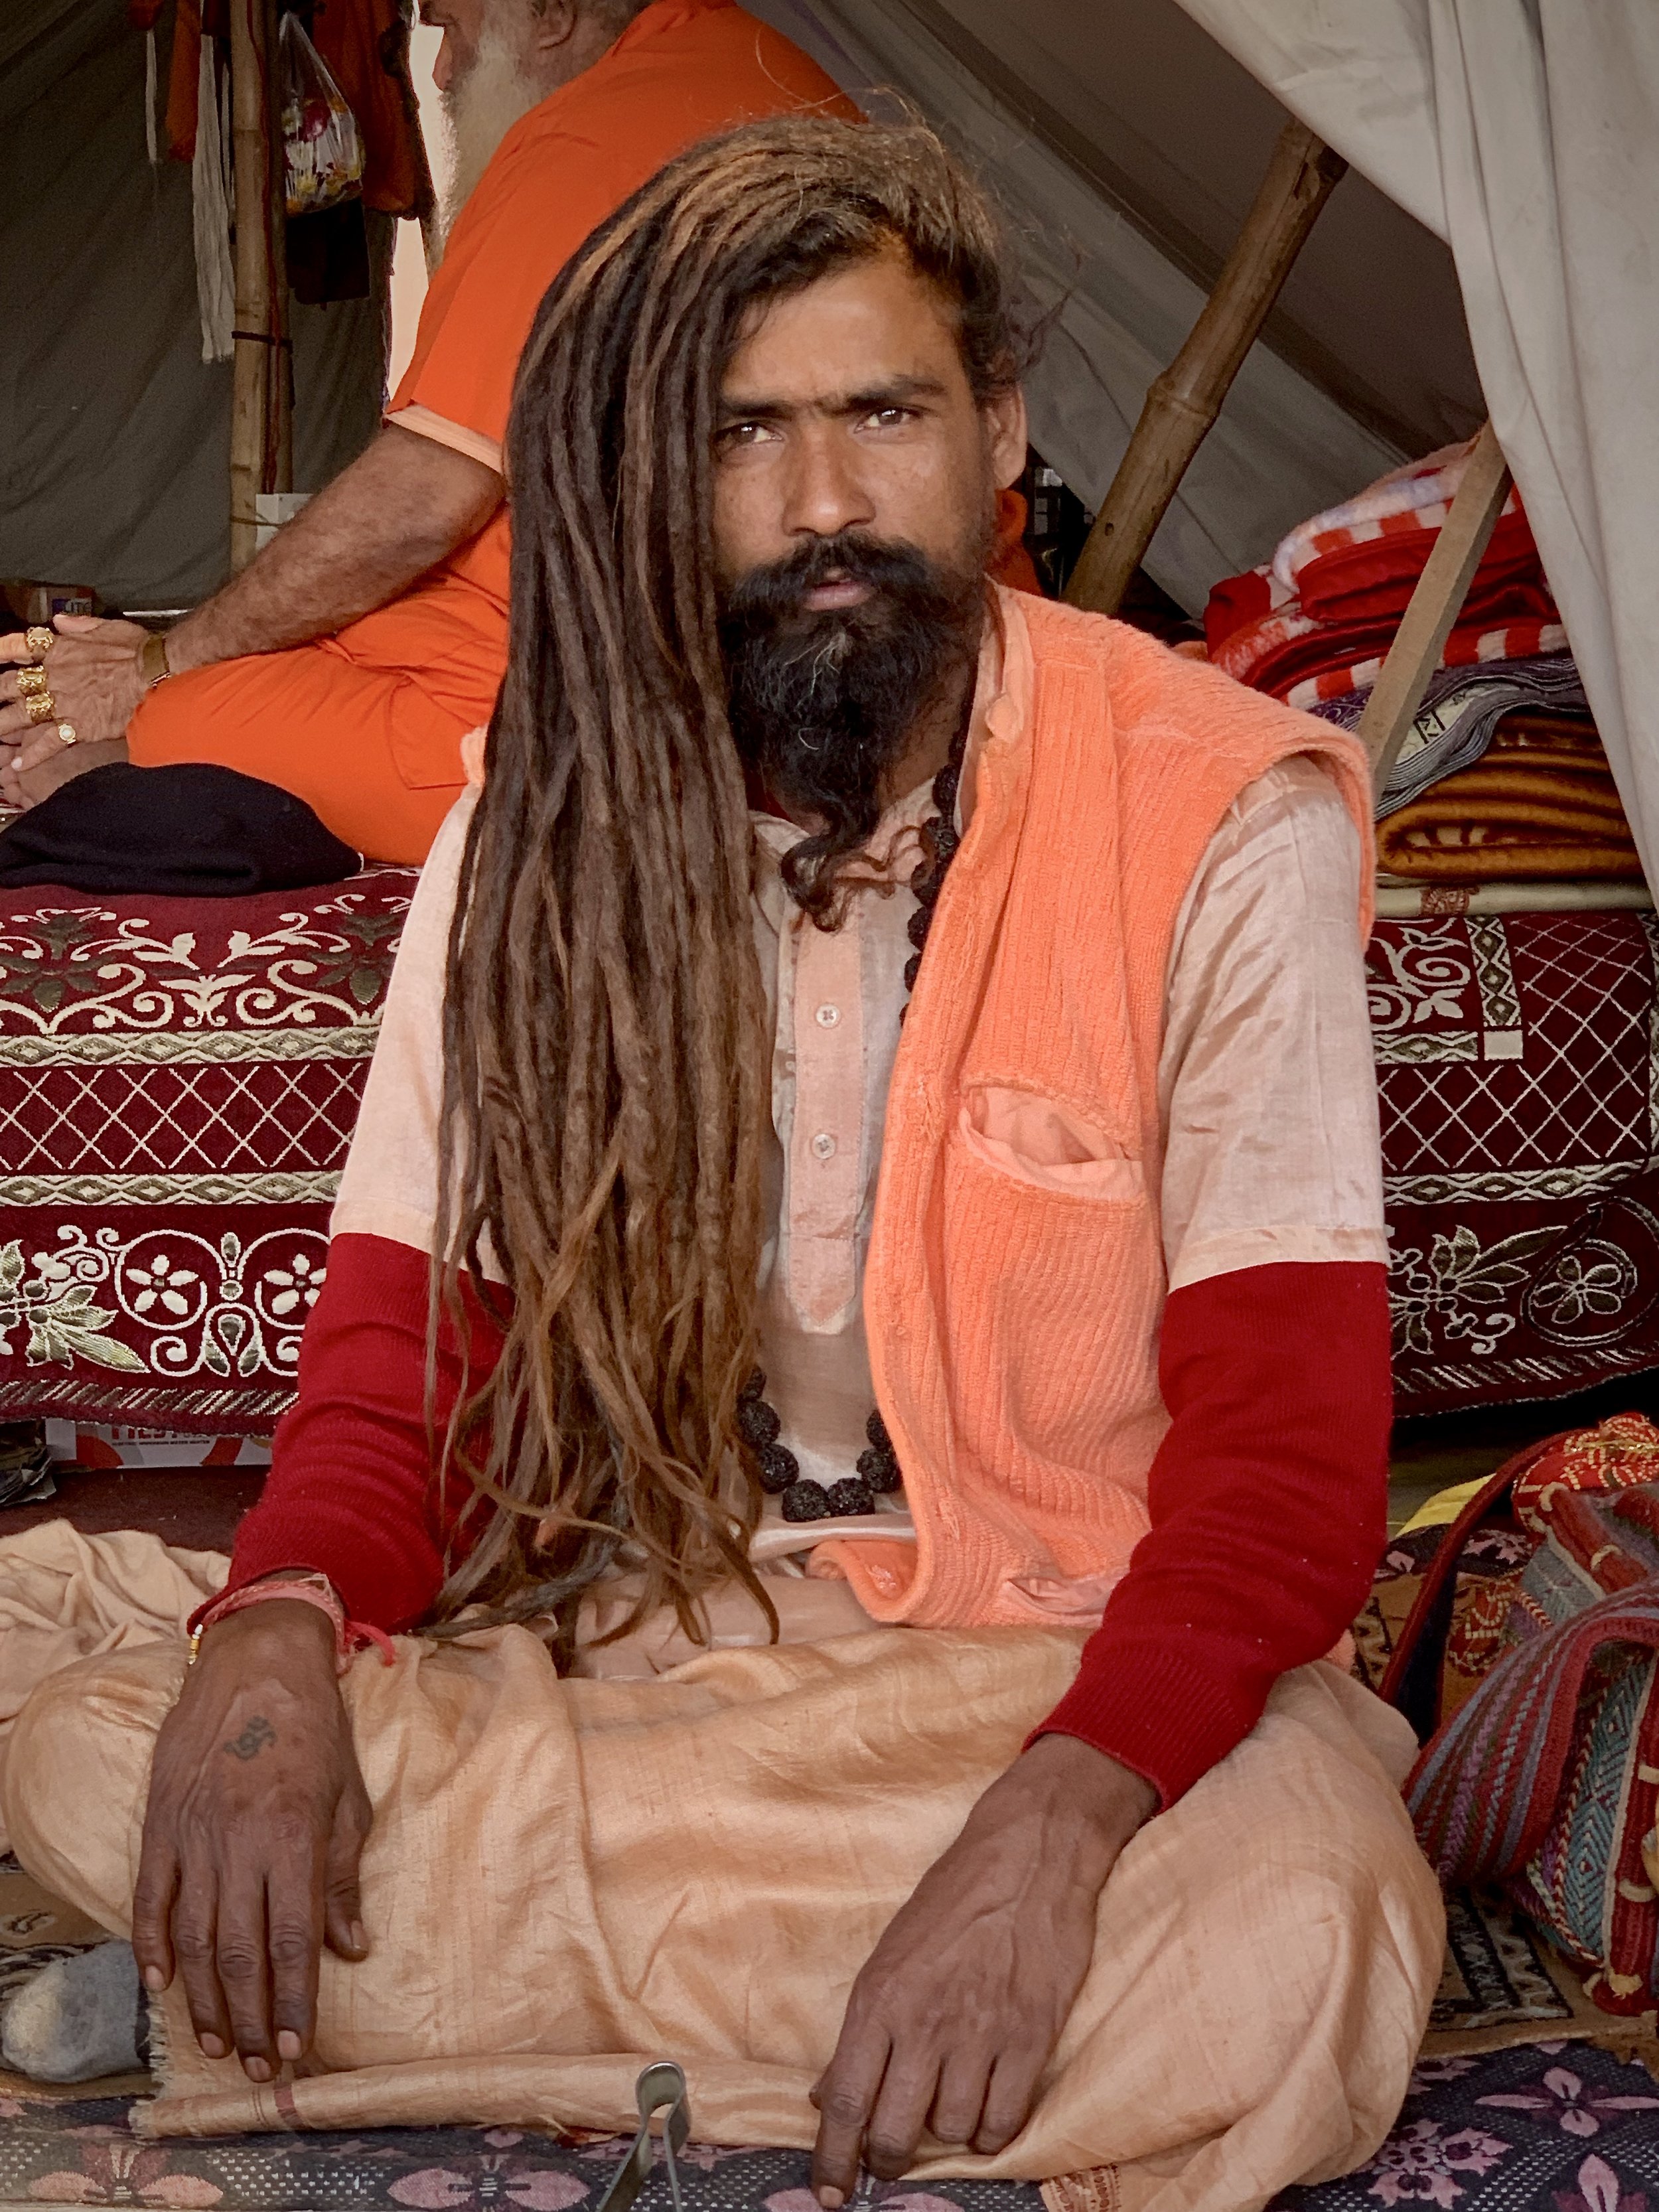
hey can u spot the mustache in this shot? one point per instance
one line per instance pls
(770, 594)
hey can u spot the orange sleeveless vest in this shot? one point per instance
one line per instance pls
(1015, 1282)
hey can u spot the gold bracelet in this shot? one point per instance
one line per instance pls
(152, 660)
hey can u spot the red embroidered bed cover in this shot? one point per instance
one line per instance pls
(179, 1080)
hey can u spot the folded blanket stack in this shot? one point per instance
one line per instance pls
(1460, 710)
(1502, 777)
(1315, 622)
(1540, 804)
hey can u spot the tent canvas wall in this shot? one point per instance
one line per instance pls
(114, 435)
(1126, 140)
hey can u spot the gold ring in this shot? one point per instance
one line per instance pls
(40, 639)
(68, 734)
(32, 682)
(42, 708)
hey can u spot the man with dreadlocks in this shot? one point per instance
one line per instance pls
(870, 1168)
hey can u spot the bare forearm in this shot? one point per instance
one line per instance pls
(398, 510)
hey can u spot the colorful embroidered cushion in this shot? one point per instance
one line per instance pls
(1547, 1780)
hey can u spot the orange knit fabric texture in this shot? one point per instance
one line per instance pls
(1015, 1286)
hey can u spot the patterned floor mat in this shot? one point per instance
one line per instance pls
(1549, 2128)
(1554, 2126)
(85, 2153)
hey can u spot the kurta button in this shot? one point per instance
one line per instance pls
(823, 1145)
(828, 1016)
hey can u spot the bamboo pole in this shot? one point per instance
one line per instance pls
(1183, 404)
(1434, 607)
(259, 370)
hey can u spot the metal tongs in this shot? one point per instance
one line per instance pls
(660, 2089)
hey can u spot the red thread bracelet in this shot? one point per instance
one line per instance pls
(351, 1636)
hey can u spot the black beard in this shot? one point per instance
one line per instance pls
(823, 705)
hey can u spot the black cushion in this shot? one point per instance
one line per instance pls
(192, 831)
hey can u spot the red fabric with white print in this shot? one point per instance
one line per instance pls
(180, 1078)
(1314, 621)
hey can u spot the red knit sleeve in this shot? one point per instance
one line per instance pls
(1268, 1501)
(350, 1492)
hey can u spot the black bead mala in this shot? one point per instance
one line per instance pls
(879, 1471)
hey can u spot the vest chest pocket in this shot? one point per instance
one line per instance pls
(1052, 1280)
(1047, 1144)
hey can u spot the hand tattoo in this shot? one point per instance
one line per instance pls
(253, 1738)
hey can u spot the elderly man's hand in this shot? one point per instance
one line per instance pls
(93, 671)
(954, 2017)
(257, 1818)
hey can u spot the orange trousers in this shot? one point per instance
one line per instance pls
(376, 756)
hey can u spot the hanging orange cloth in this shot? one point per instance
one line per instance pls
(190, 18)
(183, 71)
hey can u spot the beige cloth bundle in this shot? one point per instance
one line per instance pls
(567, 1879)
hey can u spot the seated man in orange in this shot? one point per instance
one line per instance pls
(348, 661)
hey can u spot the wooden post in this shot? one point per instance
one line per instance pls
(259, 370)
(1183, 403)
(1434, 606)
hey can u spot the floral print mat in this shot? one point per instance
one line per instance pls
(1545, 2128)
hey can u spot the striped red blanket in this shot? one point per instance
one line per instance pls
(1313, 623)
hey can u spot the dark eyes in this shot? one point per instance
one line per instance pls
(736, 437)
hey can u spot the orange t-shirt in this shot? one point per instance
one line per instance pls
(682, 70)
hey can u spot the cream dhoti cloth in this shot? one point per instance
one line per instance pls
(567, 1879)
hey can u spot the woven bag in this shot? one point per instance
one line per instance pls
(1546, 1781)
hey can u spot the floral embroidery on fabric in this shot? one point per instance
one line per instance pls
(180, 1079)
(1546, 2127)
(1600, 2190)
(494, 2181)
(1498, 2133)
(237, 1309)
(1517, 1062)
(1420, 2163)
(1580, 2110)
(1420, 975)
(1460, 1292)
(124, 2173)
(63, 968)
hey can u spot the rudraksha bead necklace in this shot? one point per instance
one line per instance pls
(878, 1471)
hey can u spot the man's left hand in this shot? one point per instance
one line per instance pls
(93, 672)
(957, 2012)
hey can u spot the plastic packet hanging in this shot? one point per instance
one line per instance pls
(322, 151)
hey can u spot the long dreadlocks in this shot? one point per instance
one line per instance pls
(606, 1067)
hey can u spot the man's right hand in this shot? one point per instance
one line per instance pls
(257, 1818)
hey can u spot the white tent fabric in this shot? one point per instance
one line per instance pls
(1283, 449)
(1526, 135)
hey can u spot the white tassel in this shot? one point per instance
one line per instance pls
(216, 282)
(151, 147)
